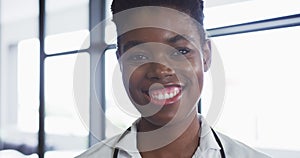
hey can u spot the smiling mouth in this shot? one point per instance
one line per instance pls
(164, 96)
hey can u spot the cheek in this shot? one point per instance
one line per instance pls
(132, 78)
(197, 70)
(200, 76)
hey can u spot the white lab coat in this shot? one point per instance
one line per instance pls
(208, 147)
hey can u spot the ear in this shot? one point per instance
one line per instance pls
(206, 48)
(118, 54)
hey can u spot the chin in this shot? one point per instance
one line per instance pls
(169, 118)
(160, 121)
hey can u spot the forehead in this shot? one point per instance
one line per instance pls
(157, 35)
(155, 17)
(161, 16)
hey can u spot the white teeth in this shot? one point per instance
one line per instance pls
(164, 96)
(167, 95)
(172, 95)
(176, 91)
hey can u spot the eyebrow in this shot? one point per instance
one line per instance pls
(131, 44)
(179, 38)
(173, 40)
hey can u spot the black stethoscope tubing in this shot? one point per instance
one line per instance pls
(116, 150)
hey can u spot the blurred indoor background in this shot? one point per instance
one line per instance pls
(44, 42)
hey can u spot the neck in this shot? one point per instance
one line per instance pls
(178, 140)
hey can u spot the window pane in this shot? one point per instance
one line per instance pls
(248, 11)
(66, 122)
(262, 99)
(28, 85)
(66, 16)
(67, 42)
(66, 26)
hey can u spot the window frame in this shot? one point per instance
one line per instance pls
(96, 15)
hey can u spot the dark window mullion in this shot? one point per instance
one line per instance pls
(41, 132)
(68, 53)
(111, 46)
(268, 24)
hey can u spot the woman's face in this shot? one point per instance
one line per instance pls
(163, 70)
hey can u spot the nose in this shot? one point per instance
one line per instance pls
(160, 72)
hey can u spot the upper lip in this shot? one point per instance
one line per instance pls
(159, 86)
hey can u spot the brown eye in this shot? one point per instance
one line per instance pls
(137, 57)
(181, 51)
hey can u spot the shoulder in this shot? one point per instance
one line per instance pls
(103, 148)
(234, 148)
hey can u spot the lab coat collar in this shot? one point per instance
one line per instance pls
(129, 142)
(207, 140)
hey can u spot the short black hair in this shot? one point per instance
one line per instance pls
(194, 8)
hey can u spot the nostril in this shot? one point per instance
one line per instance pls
(159, 72)
(155, 78)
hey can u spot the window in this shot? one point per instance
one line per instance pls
(28, 85)
(247, 11)
(66, 43)
(69, 41)
(66, 123)
(262, 86)
(62, 118)
(66, 16)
